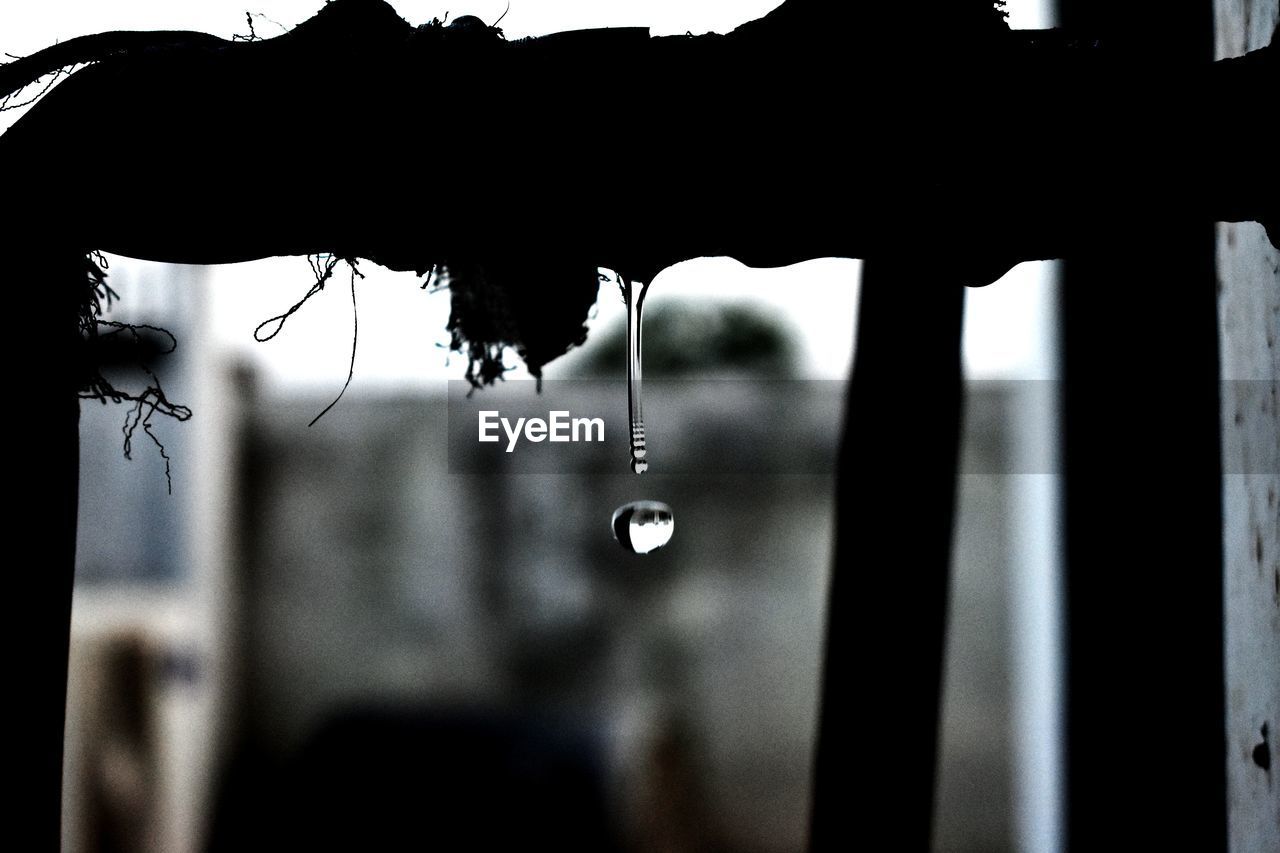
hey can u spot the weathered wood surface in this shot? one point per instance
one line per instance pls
(1249, 308)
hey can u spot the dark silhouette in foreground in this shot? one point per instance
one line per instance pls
(875, 131)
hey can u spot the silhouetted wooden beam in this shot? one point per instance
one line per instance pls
(794, 137)
(1146, 755)
(886, 614)
(40, 530)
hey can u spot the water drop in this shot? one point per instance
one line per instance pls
(643, 526)
(640, 526)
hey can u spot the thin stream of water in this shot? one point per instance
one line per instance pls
(633, 293)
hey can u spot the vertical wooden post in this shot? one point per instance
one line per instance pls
(44, 466)
(1249, 307)
(1142, 497)
(1145, 698)
(886, 615)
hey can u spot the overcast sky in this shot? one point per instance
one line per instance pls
(817, 299)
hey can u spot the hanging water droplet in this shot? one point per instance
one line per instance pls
(643, 526)
(640, 526)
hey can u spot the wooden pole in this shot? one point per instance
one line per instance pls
(1249, 316)
(1144, 627)
(41, 528)
(886, 614)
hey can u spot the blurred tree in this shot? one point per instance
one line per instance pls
(686, 336)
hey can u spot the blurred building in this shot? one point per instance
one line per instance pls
(150, 641)
(356, 632)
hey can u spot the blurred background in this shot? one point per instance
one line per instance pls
(350, 631)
